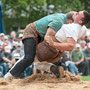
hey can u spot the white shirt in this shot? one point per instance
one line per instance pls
(73, 30)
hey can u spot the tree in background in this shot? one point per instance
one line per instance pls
(18, 13)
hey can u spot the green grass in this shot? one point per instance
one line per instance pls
(85, 78)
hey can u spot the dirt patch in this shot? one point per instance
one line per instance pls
(46, 82)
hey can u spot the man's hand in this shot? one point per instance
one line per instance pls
(76, 63)
(49, 40)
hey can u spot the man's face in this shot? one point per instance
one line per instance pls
(18, 48)
(78, 16)
(77, 49)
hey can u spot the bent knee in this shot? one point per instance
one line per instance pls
(28, 59)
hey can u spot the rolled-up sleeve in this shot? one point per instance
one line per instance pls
(55, 24)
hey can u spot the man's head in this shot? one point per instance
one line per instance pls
(7, 49)
(83, 43)
(81, 17)
(77, 47)
(70, 17)
(18, 47)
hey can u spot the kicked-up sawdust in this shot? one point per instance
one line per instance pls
(46, 82)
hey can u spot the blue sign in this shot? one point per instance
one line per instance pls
(1, 21)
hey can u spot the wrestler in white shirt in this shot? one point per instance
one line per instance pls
(71, 31)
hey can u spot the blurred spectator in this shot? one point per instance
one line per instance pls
(6, 58)
(13, 47)
(71, 67)
(1, 38)
(67, 63)
(87, 39)
(1, 67)
(19, 40)
(87, 56)
(0, 51)
(18, 51)
(5, 43)
(6, 38)
(83, 44)
(13, 34)
(78, 60)
(11, 41)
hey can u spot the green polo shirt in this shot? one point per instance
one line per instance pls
(86, 53)
(77, 56)
(54, 21)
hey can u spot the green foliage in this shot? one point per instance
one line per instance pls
(21, 12)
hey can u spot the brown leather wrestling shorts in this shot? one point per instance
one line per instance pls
(44, 52)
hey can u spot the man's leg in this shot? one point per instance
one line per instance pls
(72, 68)
(29, 50)
(83, 67)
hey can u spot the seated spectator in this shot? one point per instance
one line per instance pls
(19, 40)
(1, 68)
(18, 51)
(67, 63)
(1, 38)
(87, 56)
(6, 59)
(87, 39)
(83, 44)
(1, 71)
(13, 47)
(5, 43)
(11, 41)
(78, 59)
(13, 34)
(71, 67)
(1, 49)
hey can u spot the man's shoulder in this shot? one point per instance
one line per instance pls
(73, 26)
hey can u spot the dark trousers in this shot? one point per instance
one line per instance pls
(29, 51)
(84, 68)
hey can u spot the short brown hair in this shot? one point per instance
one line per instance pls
(86, 18)
(70, 14)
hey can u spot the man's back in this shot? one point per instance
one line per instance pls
(54, 21)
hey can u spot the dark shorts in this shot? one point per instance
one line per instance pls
(44, 52)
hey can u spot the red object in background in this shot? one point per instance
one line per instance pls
(88, 45)
(5, 44)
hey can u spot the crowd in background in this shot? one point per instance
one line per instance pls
(12, 49)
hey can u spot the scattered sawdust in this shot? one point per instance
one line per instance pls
(46, 82)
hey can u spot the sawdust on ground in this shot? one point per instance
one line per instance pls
(46, 82)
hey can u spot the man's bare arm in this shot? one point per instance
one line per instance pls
(65, 46)
(6, 59)
(50, 34)
(50, 39)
